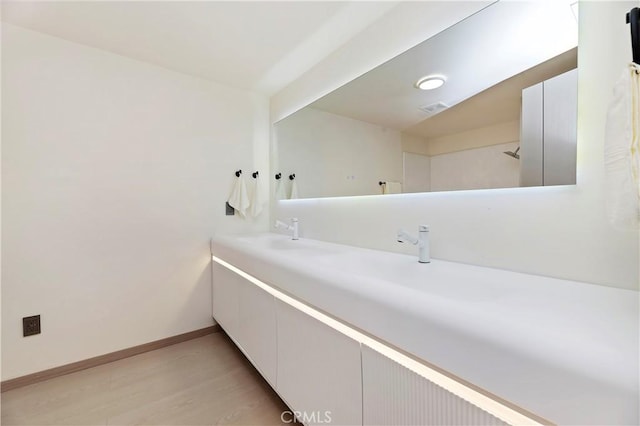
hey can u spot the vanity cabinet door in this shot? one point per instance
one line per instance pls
(257, 329)
(319, 370)
(394, 395)
(247, 314)
(225, 299)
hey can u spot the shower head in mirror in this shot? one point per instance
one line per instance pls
(513, 154)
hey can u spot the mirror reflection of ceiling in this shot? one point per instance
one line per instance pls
(506, 47)
(499, 104)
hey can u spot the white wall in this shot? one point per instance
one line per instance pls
(416, 172)
(478, 168)
(554, 231)
(114, 176)
(475, 138)
(333, 155)
(414, 144)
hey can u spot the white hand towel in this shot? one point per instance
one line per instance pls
(280, 194)
(257, 198)
(622, 152)
(294, 190)
(392, 188)
(239, 199)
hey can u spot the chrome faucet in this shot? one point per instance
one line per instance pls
(422, 242)
(293, 227)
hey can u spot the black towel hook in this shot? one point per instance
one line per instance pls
(292, 176)
(633, 18)
(382, 183)
(238, 173)
(255, 174)
(278, 176)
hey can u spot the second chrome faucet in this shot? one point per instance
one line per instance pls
(422, 242)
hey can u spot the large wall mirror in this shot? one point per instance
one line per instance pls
(499, 111)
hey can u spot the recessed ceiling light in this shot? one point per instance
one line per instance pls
(430, 82)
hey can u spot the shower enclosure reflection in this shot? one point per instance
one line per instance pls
(479, 130)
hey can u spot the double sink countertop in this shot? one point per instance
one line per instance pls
(567, 351)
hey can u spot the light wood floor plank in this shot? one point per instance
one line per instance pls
(204, 381)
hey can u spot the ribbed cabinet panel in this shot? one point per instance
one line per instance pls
(395, 395)
(318, 369)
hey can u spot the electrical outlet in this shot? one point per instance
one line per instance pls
(230, 211)
(30, 325)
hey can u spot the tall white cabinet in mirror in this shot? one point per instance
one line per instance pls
(548, 132)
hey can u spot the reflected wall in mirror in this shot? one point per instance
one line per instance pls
(505, 116)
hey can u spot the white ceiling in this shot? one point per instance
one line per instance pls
(502, 40)
(255, 45)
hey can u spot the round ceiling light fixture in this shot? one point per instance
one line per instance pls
(430, 82)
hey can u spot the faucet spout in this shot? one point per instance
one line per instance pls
(293, 227)
(422, 242)
(404, 237)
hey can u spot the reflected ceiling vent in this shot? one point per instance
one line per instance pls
(434, 108)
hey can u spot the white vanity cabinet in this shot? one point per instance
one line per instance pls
(319, 369)
(247, 313)
(394, 395)
(324, 373)
(357, 342)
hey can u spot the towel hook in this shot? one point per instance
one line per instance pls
(292, 176)
(633, 18)
(278, 176)
(382, 183)
(255, 174)
(238, 173)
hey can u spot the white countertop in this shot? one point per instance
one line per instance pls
(565, 350)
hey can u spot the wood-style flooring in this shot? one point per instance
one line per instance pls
(204, 381)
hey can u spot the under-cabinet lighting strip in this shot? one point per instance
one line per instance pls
(472, 396)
